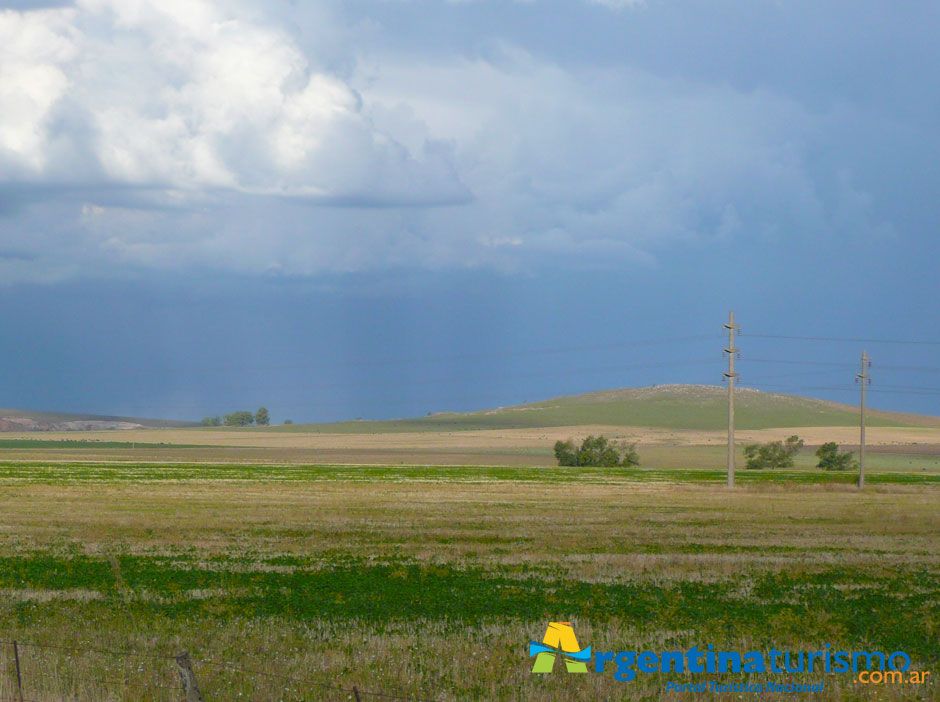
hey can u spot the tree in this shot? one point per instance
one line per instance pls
(596, 451)
(288, 421)
(774, 454)
(211, 421)
(262, 418)
(831, 459)
(630, 455)
(565, 453)
(239, 419)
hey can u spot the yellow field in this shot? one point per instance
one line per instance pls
(487, 447)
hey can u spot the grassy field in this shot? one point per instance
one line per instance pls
(676, 426)
(430, 581)
(419, 557)
(467, 448)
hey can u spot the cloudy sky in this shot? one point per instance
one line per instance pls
(386, 207)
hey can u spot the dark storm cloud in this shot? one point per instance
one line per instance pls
(336, 183)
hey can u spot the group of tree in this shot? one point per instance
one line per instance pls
(240, 419)
(596, 451)
(830, 458)
(773, 454)
(780, 454)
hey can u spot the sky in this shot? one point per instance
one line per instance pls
(383, 208)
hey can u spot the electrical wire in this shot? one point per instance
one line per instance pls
(918, 342)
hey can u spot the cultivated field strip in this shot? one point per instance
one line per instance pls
(66, 473)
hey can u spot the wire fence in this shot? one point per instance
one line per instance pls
(187, 686)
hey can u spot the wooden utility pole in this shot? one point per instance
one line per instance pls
(19, 677)
(191, 691)
(864, 379)
(731, 375)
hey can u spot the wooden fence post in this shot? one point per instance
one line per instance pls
(356, 693)
(19, 677)
(188, 678)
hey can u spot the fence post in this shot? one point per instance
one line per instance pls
(356, 693)
(188, 678)
(19, 678)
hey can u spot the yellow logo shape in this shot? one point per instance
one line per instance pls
(559, 636)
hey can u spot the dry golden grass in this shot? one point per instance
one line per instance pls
(659, 447)
(488, 439)
(490, 524)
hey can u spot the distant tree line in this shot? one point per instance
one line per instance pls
(240, 419)
(780, 454)
(596, 451)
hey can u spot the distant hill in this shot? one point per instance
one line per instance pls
(25, 420)
(702, 407)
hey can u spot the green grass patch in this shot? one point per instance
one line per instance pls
(898, 612)
(92, 472)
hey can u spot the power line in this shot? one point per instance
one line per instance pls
(838, 364)
(762, 378)
(844, 389)
(136, 408)
(918, 342)
(215, 367)
(452, 379)
(907, 387)
(833, 364)
(920, 369)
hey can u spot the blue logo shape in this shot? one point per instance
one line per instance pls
(584, 655)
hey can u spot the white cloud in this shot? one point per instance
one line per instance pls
(33, 48)
(188, 96)
(191, 135)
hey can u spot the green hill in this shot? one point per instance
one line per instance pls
(668, 406)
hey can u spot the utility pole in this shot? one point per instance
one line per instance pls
(865, 379)
(731, 375)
